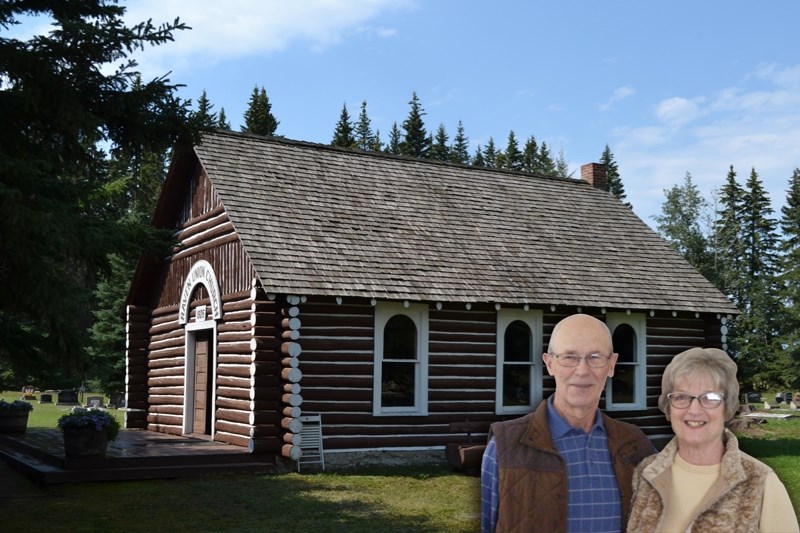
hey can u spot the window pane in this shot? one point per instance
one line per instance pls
(516, 385)
(397, 387)
(624, 340)
(518, 341)
(400, 338)
(622, 383)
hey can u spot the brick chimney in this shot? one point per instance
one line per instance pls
(595, 173)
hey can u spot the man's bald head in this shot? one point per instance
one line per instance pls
(578, 324)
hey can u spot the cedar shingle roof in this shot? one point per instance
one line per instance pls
(321, 220)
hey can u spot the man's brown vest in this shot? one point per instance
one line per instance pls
(533, 477)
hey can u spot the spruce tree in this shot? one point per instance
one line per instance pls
(142, 179)
(222, 120)
(753, 335)
(440, 151)
(376, 145)
(106, 350)
(530, 155)
(343, 134)
(459, 150)
(393, 146)
(477, 159)
(416, 142)
(204, 117)
(66, 118)
(728, 242)
(258, 118)
(562, 167)
(789, 325)
(615, 185)
(545, 164)
(365, 138)
(760, 233)
(512, 159)
(490, 154)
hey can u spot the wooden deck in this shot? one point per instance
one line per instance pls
(135, 454)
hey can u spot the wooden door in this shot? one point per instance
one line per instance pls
(203, 384)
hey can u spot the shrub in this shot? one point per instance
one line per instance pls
(15, 406)
(93, 418)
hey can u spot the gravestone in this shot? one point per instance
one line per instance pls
(67, 397)
(46, 398)
(94, 401)
(117, 400)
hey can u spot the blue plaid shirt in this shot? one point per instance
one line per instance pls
(594, 500)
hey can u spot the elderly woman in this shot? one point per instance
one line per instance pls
(701, 481)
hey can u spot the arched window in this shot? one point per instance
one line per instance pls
(519, 348)
(627, 389)
(624, 383)
(401, 359)
(517, 361)
(398, 375)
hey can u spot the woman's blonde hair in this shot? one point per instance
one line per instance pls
(713, 362)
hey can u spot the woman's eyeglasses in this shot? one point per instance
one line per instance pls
(709, 400)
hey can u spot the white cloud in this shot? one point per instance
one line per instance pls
(620, 93)
(380, 31)
(755, 124)
(788, 77)
(677, 111)
(239, 28)
(642, 136)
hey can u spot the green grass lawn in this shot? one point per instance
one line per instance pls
(422, 498)
(381, 500)
(46, 415)
(777, 443)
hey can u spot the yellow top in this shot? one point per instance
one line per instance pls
(691, 482)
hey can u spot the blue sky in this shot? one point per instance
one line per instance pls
(671, 87)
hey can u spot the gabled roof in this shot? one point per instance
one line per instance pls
(321, 220)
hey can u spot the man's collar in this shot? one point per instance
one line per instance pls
(560, 427)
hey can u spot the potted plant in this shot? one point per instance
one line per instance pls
(14, 416)
(87, 432)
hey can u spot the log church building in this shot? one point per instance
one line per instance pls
(397, 298)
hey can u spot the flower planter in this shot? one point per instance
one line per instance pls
(85, 442)
(14, 422)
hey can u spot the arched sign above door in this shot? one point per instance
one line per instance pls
(201, 272)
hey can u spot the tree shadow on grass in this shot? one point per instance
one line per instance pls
(234, 502)
(765, 448)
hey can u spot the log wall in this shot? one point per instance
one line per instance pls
(137, 323)
(337, 343)
(247, 387)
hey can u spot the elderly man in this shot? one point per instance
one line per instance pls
(566, 466)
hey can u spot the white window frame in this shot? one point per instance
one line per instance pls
(533, 318)
(637, 321)
(418, 313)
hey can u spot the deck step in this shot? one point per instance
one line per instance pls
(45, 473)
(136, 455)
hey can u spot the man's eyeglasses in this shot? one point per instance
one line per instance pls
(594, 360)
(709, 400)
